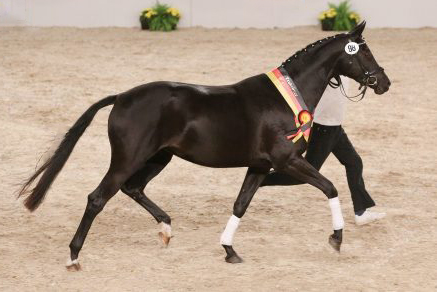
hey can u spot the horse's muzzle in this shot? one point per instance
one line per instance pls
(379, 83)
(381, 87)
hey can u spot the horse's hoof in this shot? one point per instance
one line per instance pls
(335, 239)
(231, 256)
(234, 259)
(334, 243)
(164, 238)
(165, 233)
(73, 265)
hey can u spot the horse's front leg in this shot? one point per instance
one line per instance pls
(300, 169)
(252, 181)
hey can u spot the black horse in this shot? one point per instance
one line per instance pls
(239, 125)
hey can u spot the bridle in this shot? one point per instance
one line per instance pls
(369, 79)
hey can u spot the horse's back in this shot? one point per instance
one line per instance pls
(217, 126)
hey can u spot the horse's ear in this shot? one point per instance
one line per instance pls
(358, 30)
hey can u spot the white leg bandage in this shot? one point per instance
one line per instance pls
(337, 217)
(71, 263)
(165, 229)
(228, 235)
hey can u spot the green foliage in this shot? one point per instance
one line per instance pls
(160, 17)
(342, 20)
(339, 17)
(162, 21)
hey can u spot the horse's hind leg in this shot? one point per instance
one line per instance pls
(108, 187)
(134, 188)
(252, 181)
(96, 201)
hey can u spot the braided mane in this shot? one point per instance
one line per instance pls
(312, 46)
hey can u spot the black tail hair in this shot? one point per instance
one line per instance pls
(51, 168)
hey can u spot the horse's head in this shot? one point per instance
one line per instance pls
(358, 63)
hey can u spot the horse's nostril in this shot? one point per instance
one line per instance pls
(389, 83)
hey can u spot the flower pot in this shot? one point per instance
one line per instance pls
(144, 23)
(327, 24)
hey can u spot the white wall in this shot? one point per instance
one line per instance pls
(212, 13)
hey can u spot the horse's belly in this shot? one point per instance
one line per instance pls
(208, 152)
(210, 160)
(215, 146)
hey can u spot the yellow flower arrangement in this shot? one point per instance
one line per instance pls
(174, 12)
(330, 13)
(322, 16)
(150, 12)
(160, 17)
(354, 16)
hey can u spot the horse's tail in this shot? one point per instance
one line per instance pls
(51, 168)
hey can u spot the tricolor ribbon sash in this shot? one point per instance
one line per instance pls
(302, 116)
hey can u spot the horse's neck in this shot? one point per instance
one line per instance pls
(312, 77)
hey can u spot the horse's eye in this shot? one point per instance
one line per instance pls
(366, 50)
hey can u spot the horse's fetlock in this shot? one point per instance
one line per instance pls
(165, 219)
(331, 191)
(238, 209)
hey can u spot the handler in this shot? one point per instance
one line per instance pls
(327, 135)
